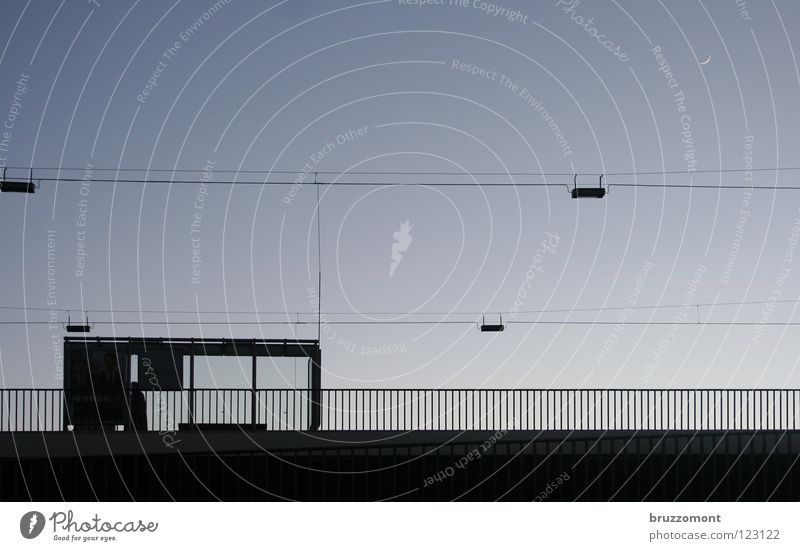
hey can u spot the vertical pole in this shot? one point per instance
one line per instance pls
(254, 385)
(319, 267)
(191, 383)
(316, 390)
(65, 390)
(315, 419)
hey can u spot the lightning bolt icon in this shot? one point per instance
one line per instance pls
(34, 519)
(402, 241)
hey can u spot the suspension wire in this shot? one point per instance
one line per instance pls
(340, 183)
(705, 186)
(344, 183)
(352, 313)
(412, 173)
(422, 322)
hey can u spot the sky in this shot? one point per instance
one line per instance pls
(220, 96)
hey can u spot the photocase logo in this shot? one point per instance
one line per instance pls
(402, 240)
(31, 524)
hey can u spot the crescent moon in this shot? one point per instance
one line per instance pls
(706, 61)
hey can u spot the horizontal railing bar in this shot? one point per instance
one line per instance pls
(287, 409)
(249, 389)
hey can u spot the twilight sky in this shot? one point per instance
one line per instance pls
(92, 90)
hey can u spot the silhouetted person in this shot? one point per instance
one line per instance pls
(80, 394)
(138, 405)
(79, 374)
(109, 375)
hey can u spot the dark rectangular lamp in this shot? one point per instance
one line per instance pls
(79, 329)
(580, 192)
(17, 186)
(492, 327)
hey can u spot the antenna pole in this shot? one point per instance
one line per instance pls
(319, 268)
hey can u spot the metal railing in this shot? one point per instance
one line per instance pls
(419, 409)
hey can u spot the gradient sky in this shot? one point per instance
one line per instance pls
(258, 86)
